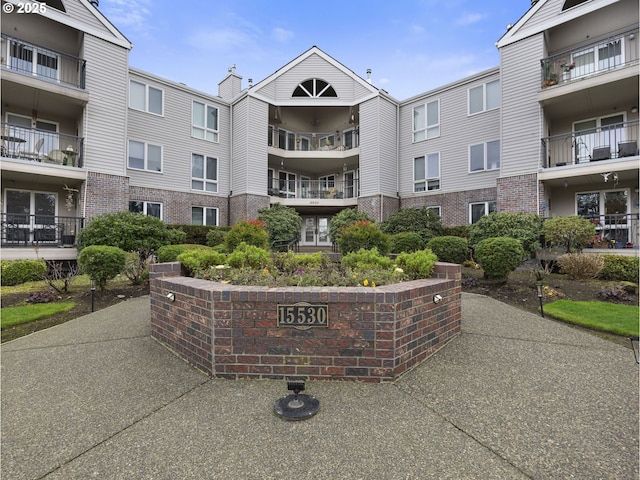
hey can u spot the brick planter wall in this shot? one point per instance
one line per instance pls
(374, 334)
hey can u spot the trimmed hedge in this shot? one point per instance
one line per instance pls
(620, 268)
(406, 242)
(499, 256)
(450, 249)
(15, 272)
(102, 262)
(169, 253)
(197, 234)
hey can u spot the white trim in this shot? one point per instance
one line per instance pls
(146, 157)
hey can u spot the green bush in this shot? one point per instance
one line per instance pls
(195, 260)
(418, 264)
(250, 232)
(499, 256)
(457, 231)
(282, 223)
(363, 234)
(450, 249)
(136, 271)
(365, 259)
(169, 253)
(572, 233)
(216, 236)
(289, 262)
(620, 268)
(176, 236)
(15, 272)
(344, 218)
(580, 266)
(196, 234)
(102, 262)
(424, 221)
(406, 242)
(525, 227)
(131, 232)
(251, 256)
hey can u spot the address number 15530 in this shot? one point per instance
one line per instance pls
(303, 315)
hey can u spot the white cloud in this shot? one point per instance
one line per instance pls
(281, 35)
(128, 14)
(220, 39)
(470, 18)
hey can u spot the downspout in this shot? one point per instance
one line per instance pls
(398, 153)
(230, 163)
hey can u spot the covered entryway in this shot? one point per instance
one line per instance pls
(315, 231)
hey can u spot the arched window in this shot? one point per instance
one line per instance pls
(314, 87)
(572, 3)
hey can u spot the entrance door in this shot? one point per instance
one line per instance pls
(315, 231)
(30, 216)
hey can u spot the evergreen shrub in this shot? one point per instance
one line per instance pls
(499, 256)
(450, 249)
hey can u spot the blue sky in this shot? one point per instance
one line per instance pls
(411, 46)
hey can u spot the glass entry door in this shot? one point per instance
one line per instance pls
(315, 231)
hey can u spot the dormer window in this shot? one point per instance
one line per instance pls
(314, 88)
(571, 3)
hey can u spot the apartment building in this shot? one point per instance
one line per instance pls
(552, 130)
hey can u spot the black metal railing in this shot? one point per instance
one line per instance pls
(23, 230)
(615, 230)
(313, 189)
(289, 244)
(44, 63)
(598, 57)
(312, 141)
(41, 146)
(583, 146)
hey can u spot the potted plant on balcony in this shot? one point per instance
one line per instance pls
(550, 76)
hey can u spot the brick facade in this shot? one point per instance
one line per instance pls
(373, 334)
(454, 206)
(246, 206)
(379, 207)
(518, 194)
(104, 193)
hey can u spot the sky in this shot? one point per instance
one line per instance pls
(411, 46)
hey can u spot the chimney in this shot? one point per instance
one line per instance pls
(369, 75)
(231, 85)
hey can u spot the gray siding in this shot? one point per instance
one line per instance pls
(458, 131)
(79, 12)
(256, 139)
(106, 112)
(239, 163)
(547, 13)
(521, 120)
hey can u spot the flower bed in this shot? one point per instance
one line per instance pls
(370, 334)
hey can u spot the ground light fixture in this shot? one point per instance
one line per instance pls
(539, 289)
(634, 347)
(297, 406)
(93, 293)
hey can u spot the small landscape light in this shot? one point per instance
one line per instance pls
(93, 293)
(437, 298)
(540, 292)
(297, 406)
(171, 297)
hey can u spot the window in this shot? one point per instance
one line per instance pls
(426, 173)
(484, 156)
(314, 87)
(478, 210)
(608, 210)
(287, 184)
(605, 56)
(153, 209)
(286, 140)
(32, 132)
(204, 120)
(21, 58)
(204, 216)
(426, 121)
(594, 135)
(484, 97)
(436, 210)
(145, 97)
(204, 173)
(144, 156)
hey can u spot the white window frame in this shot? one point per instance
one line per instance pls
(52, 137)
(430, 176)
(485, 157)
(16, 63)
(145, 205)
(205, 210)
(145, 100)
(487, 209)
(206, 182)
(208, 134)
(145, 147)
(428, 131)
(484, 108)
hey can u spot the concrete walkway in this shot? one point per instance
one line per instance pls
(515, 396)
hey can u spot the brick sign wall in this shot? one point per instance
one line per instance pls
(371, 334)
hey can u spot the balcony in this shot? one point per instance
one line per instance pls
(607, 55)
(615, 230)
(43, 63)
(297, 142)
(43, 146)
(615, 141)
(23, 230)
(327, 189)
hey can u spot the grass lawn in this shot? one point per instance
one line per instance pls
(607, 317)
(28, 313)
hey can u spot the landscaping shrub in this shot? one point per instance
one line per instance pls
(418, 264)
(59, 277)
(290, 263)
(613, 294)
(458, 231)
(15, 272)
(366, 259)
(196, 234)
(216, 236)
(572, 233)
(406, 242)
(45, 296)
(176, 236)
(282, 223)
(346, 217)
(169, 253)
(621, 268)
(196, 260)
(250, 232)
(450, 249)
(525, 227)
(363, 234)
(102, 262)
(136, 271)
(580, 266)
(499, 256)
(424, 221)
(246, 255)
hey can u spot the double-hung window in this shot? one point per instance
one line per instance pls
(145, 98)
(480, 209)
(153, 209)
(426, 173)
(204, 216)
(204, 122)
(484, 156)
(204, 173)
(426, 121)
(145, 156)
(484, 97)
